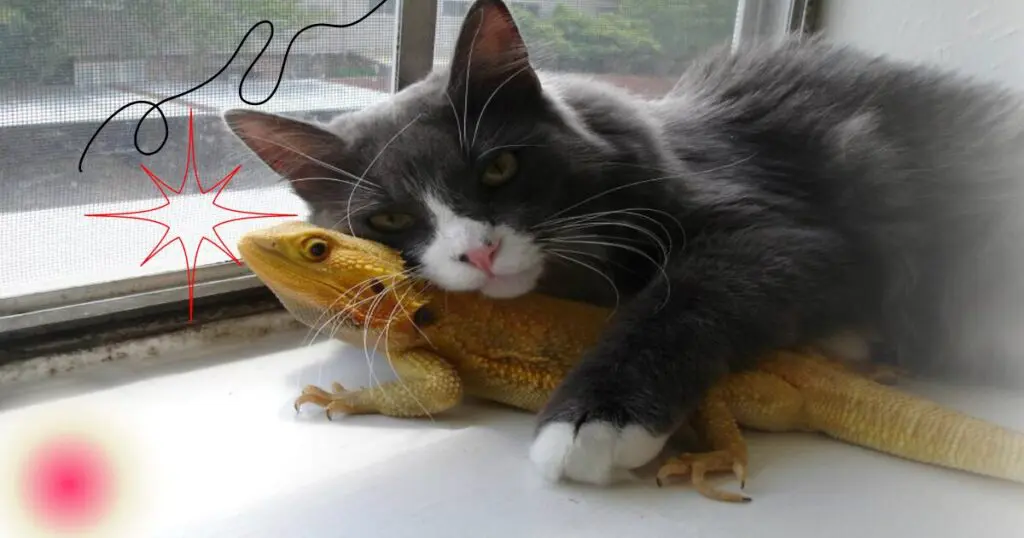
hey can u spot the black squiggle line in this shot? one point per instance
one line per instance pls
(156, 106)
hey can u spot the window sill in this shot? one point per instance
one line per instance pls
(216, 450)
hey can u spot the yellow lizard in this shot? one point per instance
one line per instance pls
(515, 351)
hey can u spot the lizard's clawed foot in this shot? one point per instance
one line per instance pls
(699, 464)
(333, 402)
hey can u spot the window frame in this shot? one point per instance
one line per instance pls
(415, 31)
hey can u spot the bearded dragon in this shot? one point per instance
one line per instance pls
(446, 345)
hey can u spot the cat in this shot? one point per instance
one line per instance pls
(776, 196)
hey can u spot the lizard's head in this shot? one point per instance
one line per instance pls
(336, 281)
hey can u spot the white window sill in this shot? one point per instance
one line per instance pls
(216, 450)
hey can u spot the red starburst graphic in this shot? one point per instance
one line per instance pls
(216, 240)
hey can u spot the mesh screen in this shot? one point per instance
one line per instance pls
(69, 64)
(642, 45)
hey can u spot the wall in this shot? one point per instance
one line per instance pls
(984, 38)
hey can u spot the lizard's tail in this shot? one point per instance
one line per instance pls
(888, 420)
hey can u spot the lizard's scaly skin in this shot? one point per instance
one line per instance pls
(852, 408)
(515, 351)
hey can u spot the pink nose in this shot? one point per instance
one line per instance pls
(482, 257)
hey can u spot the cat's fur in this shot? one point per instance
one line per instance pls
(805, 189)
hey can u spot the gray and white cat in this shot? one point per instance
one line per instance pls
(772, 198)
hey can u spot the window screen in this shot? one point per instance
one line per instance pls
(642, 45)
(67, 65)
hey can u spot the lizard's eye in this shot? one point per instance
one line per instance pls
(377, 286)
(315, 249)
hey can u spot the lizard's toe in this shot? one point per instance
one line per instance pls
(314, 395)
(698, 465)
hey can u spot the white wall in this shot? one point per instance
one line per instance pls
(984, 38)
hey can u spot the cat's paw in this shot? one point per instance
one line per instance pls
(592, 451)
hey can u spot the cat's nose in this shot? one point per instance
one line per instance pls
(482, 257)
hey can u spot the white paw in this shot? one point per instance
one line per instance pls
(600, 454)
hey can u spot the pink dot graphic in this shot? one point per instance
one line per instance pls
(68, 484)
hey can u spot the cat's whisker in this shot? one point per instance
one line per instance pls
(409, 315)
(355, 291)
(299, 152)
(346, 311)
(458, 123)
(664, 243)
(661, 266)
(567, 223)
(480, 116)
(597, 257)
(606, 243)
(565, 255)
(371, 375)
(426, 286)
(465, 97)
(348, 214)
(316, 325)
(609, 212)
(385, 334)
(335, 322)
(661, 244)
(659, 169)
(351, 306)
(633, 211)
(352, 184)
(348, 205)
(590, 237)
(607, 192)
(617, 188)
(329, 321)
(507, 146)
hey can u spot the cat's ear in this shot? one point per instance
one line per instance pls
(296, 150)
(490, 56)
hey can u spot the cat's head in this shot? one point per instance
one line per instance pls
(463, 172)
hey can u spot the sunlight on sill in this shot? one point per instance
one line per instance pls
(213, 447)
(193, 441)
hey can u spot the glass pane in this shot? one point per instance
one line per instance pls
(642, 45)
(69, 64)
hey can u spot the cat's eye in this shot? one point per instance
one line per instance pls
(315, 249)
(500, 170)
(391, 222)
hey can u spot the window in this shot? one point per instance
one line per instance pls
(454, 8)
(639, 44)
(70, 64)
(387, 9)
(531, 7)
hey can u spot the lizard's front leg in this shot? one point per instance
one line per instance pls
(754, 399)
(427, 384)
